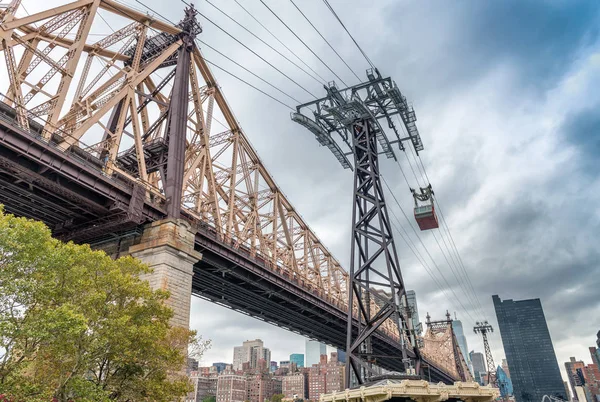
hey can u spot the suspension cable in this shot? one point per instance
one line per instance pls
(250, 85)
(451, 239)
(326, 41)
(263, 42)
(425, 248)
(349, 34)
(304, 43)
(254, 53)
(411, 245)
(247, 70)
(451, 249)
(322, 80)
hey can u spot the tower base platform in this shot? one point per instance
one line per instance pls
(415, 390)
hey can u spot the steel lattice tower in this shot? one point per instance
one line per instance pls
(483, 328)
(377, 296)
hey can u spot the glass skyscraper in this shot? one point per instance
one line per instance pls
(313, 351)
(462, 341)
(528, 347)
(478, 365)
(297, 358)
(504, 383)
(411, 298)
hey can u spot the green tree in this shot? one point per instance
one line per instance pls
(277, 397)
(77, 325)
(209, 398)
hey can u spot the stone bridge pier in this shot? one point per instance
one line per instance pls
(166, 246)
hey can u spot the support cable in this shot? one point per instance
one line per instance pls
(348, 32)
(304, 43)
(326, 41)
(250, 85)
(322, 80)
(254, 53)
(450, 245)
(426, 250)
(157, 13)
(462, 277)
(264, 42)
(445, 224)
(247, 70)
(459, 274)
(413, 248)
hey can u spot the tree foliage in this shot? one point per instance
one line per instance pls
(209, 398)
(277, 397)
(77, 325)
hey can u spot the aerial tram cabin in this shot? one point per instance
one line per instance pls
(425, 208)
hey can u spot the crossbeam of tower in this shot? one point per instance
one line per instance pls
(349, 123)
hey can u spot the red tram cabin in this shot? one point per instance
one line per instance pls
(425, 213)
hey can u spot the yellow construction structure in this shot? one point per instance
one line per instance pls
(417, 390)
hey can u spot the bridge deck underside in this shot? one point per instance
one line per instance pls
(229, 277)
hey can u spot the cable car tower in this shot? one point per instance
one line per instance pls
(350, 123)
(483, 328)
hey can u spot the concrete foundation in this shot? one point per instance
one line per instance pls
(167, 246)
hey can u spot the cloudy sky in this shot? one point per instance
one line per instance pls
(506, 94)
(507, 98)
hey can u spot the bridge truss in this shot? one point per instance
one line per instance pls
(98, 137)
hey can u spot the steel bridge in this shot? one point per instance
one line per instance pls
(99, 139)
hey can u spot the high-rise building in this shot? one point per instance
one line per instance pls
(504, 383)
(478, 364)
(462, 340)
(592, 382)
(528, 348)
(205, 384)
(575, 374)
(295, 386)
(313, 351)
(584, 380)
(334, 374)
(325, 377)
(260, 387)
(594, 353)
(341, 355)
(505, 367)
(220, 367)
(231, 388)
(411, 298)
(251, 352)
(297, 358)
(567, 391)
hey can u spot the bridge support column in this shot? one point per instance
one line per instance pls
(167, 246)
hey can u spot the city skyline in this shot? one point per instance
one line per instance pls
(295, 343)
